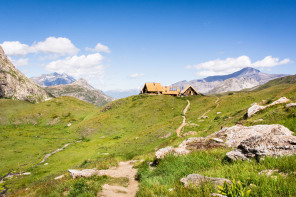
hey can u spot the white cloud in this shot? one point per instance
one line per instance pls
(15, 48)
(230, 65)
(99, 48)
(136, 75)
(51, 45)
(269, 61)
(89, 66)
(20, 62)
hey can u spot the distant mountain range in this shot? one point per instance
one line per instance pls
(66, 85)
(53, 79)
(80, 89)
(122, 93)
(246, 78)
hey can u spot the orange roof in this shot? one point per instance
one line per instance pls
(183, 91)
(154, 87)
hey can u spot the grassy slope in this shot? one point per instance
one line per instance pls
(131, 128)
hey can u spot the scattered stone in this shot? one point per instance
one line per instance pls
(219, 195)
(218, 112)
(83, 173)
(197, 179)
(46, 164)
(218, 140)
(291, 105)
(189, 133)
(105, 153)
(59, 177)
(192, 125)
(205, 117)
(167, 135)
(137, 138)
(171, 189)
(26, 173)
(256, 108)
(68, 125)
(163, 152)
(279, 101)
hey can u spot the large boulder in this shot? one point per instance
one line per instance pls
(233, 136)
(271, 144)
(256, 108)
(197, 179)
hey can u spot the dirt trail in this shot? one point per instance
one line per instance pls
(178, 131)
(124, 169)
(217, 105)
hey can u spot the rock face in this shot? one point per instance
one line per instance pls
(275, 143)
(197, 179)
(189, 145)
(15, 85)
(256, 108)
(245, 78)
(53, 79)
(80, 89)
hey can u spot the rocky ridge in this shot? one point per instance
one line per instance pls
(80, 89)
(245, 78)
(15, 85)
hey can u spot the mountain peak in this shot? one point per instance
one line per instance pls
(82, 82)
(53, 79)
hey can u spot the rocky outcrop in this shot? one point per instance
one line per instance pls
(15, 85)
(81, 90)
(197, 179)
(190, 145)
(256, 108)
(290, 105)
(275, 143)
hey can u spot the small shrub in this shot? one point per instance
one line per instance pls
(235, 189)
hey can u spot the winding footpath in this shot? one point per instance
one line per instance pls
(178, 131)
(217, 105)
(124, 169)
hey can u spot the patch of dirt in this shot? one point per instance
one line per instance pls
(124, 169)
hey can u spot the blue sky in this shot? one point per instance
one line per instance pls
(148, 41)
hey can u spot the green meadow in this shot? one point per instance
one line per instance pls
(134, 128)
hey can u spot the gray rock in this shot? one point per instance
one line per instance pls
(197, 179)
(291, 105)
(83, 173)
(275, 143)
(163, 152)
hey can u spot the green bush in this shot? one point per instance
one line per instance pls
(236, 189)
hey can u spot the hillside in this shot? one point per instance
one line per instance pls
(245, 78)
(80, 89)
(134, 128)
(15, 85)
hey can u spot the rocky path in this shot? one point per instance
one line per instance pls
(178, 131)
(217, 105)
(124, 169)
